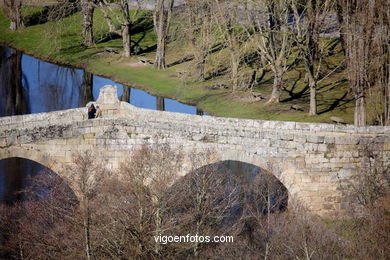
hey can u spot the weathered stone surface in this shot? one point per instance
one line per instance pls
(309, 159)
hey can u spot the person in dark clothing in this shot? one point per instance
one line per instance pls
(91, 112)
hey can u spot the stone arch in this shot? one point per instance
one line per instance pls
(284, 171)
(33, 155)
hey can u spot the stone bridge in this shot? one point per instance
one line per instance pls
(309, 159)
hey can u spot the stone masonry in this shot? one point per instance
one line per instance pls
(309, 159)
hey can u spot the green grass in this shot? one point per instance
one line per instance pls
(60, 42)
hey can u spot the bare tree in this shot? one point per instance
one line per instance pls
(273, 37)
(199, 29)
(227, 20)
(359, 28)
(308, 26)
(85, 175)
(149, 173)
(162, 16)
(126, 19)
(212, 193)
(381, 62)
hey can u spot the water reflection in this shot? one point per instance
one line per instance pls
(126, 94)
(88, 88)
(29, 85)
(13, 93)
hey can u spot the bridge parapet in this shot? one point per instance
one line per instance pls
(47, 118)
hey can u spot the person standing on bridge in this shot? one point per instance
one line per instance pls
(91, 112)
(98, 112)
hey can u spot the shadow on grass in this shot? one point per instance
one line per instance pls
(75, 53)
(337, 103)
(182, 60)
(217, 73)
(150, 49)
(142, 24)
(53, 12)
(214, 49)
(208, 95)
(335, 85)
(291, 92)
(108, 37)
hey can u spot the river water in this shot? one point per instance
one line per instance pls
(29, 85)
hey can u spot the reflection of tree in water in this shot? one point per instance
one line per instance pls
(86, 88)
(61, 86)
(126, 94)
(160, 103)
(14, 86)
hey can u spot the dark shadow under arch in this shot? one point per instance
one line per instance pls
(262, 187)
(230, 189)
(24, 179)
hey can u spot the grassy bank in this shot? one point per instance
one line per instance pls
(60, 42)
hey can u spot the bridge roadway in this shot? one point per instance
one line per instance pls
(312, 160)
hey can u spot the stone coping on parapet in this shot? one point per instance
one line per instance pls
(135, 112)
(127, 110)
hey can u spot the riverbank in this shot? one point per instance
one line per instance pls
(60, 42)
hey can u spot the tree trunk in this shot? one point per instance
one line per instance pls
(15, 99)
(199, 112)
(125, 27)
(126, 39)
(159, 62)
(87, 88)
(200, 69)
(87, 224)
(162, 18)
(340, 19)
(360, 112)
(360, 27)
(126, 94)
(313, 98)
(387, 93)
(387, 105)
(311, 48)
(384, 65)
(235, 64)
(87, 10)
(276, 88)
(160, 103)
